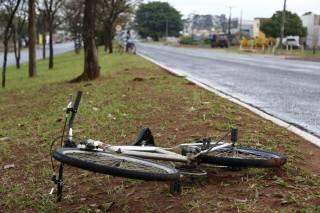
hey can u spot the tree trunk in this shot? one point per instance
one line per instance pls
(15, 47)
(44, 42)
(110, 46)
(32, 38)
(5, 57)
(106, 45)
(19, 52)
(50, 46)
(7, 36)
(91, 65)
(109, 39)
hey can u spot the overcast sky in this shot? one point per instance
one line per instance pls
(251, 8)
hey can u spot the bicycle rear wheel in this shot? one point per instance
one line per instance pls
(243, 157)
(116, 165)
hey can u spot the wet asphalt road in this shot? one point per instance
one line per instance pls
(287, 89)
(57, 49)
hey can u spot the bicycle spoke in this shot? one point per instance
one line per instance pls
(110, 161)
(235, 154)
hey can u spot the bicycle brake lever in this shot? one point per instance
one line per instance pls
(69, 106)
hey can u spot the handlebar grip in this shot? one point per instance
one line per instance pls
(77, 101)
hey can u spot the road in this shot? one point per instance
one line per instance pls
(286, 89)
(57, 49)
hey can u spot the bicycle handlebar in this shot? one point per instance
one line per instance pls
(77, 101)
(75, 108)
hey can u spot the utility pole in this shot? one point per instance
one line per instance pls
(240, 25)
(229, 24)
(283, 22)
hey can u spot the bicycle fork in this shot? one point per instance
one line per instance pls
(58, 181)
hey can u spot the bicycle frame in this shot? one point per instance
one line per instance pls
(158, 153)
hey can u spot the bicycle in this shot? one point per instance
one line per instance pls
(135, 161)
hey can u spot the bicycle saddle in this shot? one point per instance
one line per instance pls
(145, 138)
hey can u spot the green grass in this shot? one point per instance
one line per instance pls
(132, 93)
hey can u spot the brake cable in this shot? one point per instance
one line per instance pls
(55, 140)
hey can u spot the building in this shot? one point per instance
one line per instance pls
(256, 27)
(202, 26)
(312, 22)
(246, 27)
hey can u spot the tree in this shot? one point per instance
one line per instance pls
(91, 64)
(292, 26)
(32, 37)
(11, 7)
(42, 28)
(114, 12)
(155, 18)
(19, 32)
(73, 13)
(50, 10)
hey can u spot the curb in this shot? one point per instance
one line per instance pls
(300, 132)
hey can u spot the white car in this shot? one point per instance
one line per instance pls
(291, 41)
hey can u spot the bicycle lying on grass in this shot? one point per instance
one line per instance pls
(135, 161)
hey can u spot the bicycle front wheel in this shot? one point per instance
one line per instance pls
(116, 165)
(244, 157)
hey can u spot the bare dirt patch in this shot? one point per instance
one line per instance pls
(177, 112)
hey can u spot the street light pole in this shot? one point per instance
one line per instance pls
(283, 22)
(229, 24)
(240, 33)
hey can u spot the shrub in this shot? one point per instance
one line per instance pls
(187, 40)
(261, 41)
(207, 41)
(244, 42)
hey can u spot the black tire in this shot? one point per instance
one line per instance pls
(110, 164)
(239, 157)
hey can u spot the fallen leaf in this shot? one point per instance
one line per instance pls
(192, 109)
(4, 139)
(9, 166)
(106, 207)
(95, 108)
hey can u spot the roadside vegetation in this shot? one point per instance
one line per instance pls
(305, 54)
(132, 93)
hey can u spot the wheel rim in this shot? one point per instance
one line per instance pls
(238, 153)
(118, 161)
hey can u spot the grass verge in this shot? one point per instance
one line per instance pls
(133, 93)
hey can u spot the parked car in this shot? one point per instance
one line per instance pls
(291, 41)
(219, 41)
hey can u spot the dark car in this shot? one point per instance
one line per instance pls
(219, 41)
